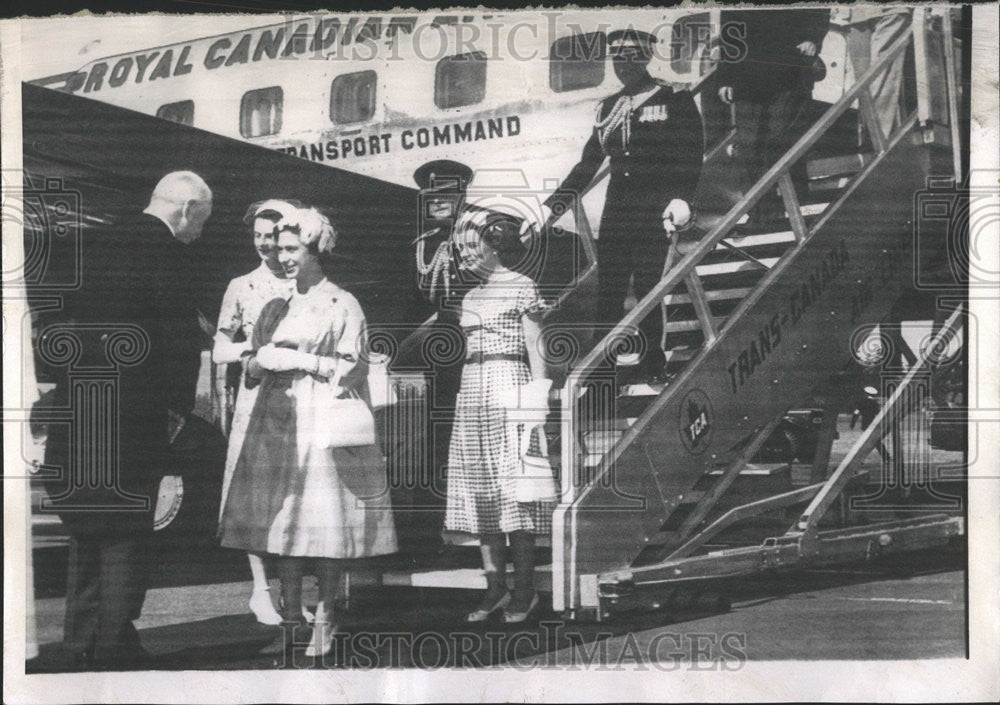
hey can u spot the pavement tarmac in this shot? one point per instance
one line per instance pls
(909, 607)
(904, 607)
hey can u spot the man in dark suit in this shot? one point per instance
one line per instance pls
(128, 351)
(768, 71)
(654, 140)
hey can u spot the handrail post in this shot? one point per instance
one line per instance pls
(792, 206)
(867, 107)
(864, 445)
(700, 301)
(952, 80)
(920, 65)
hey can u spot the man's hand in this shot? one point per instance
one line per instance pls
(807, 49)
(676, 216)
(726, 94)
(536, 221)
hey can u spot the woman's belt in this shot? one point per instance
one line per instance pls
(478, 358)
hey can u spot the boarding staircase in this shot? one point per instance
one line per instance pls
(757, 322)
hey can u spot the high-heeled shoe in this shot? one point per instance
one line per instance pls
(518, 617)
(481, 615)
(322, 638)
(263, 608)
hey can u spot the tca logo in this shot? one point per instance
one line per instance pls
(695, 421)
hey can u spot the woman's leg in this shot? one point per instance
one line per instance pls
(290, 570)
(494, 552)
(328, 573)
(523, 545)
(493, 547)
(260, 600)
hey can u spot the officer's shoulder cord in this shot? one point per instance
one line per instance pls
(617, 117)
(436, 267)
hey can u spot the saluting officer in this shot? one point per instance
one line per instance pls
(653, 138)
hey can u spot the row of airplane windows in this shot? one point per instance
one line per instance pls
(576, 62)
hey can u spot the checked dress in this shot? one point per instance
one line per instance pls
(483, 454)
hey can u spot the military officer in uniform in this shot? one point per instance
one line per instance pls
(442, 185)
(654, 140)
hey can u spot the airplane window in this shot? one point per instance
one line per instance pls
(260, 112)
(460, 80)
(577, 61)
(352, 97)
(182, 112)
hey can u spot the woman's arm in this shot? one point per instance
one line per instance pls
(352, 344)
(532, 341)
(224, 350)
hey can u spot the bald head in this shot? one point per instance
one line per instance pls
(183, 201)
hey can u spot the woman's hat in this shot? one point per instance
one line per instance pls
(281, 208)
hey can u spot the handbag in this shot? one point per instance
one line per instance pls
(341, 421)
(536, 480)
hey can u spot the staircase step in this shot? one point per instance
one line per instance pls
(737, 293)
(832, 183)
(680, 354)
(600, 441)
(748, 241)
(694, 324)
(641, 390)
(835, 166)
(709, 270)
(460, 578)
(758, 470)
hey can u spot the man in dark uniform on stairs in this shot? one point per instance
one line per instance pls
(771, 83)
(653, 137)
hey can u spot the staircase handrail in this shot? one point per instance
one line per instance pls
(707, 244)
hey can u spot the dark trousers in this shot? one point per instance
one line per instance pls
(642, 256)
(765, 129)
(105, 590)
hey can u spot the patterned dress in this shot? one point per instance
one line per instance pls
(290, 496)
(484, 454)
(241, 306)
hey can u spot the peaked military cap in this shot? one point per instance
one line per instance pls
(625, 42)
(442, 175)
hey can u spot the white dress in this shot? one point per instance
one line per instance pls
(241, 306)
(290, 495)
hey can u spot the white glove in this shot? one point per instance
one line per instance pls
(535, 221)
(535, 394)
(676, 216)
(225, 351)
(277, 359)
